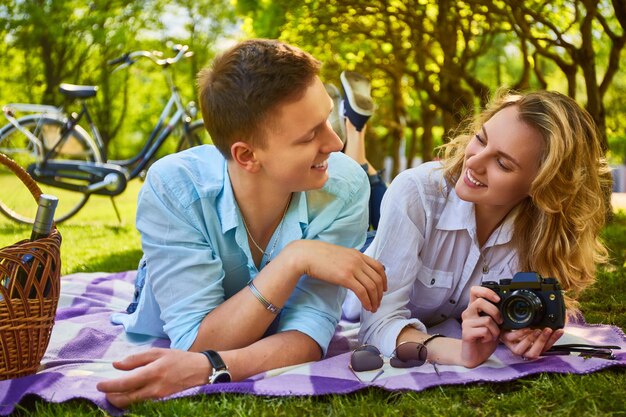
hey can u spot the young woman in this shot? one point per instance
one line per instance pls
(521, 191)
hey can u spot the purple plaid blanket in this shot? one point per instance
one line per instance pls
(84, 343)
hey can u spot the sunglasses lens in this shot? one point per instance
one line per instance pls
(366, 358)
(409, 355)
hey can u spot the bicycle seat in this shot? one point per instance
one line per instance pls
(78, 91)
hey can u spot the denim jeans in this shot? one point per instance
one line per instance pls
(377, 191)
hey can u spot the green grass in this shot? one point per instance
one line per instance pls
(95, 241)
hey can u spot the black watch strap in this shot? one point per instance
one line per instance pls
(220, 370)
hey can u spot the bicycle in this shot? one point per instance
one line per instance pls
(67, 161)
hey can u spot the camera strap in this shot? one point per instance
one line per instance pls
(584, 350)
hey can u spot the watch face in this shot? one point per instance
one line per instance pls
(220, 377)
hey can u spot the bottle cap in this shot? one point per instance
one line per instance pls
(45, 213)
(48, 200)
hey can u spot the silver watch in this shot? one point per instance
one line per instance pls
(220, 372)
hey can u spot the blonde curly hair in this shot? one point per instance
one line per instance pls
(556, 232)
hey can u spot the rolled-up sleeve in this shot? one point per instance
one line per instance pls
(397, 244)
(185, 276)
(314, 308)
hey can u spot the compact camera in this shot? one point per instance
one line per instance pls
(528, 300)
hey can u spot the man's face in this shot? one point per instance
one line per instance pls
(299, 140)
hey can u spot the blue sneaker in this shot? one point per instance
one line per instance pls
(358, 103)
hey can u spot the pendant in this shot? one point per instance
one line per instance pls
(485, 269)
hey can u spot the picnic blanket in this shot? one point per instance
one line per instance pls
(84, 344)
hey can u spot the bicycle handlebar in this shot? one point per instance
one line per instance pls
(130, 58)
(117, 60)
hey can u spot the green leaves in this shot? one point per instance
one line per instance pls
(450, 54)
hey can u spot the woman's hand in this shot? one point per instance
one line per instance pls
(158, 373)
(530, 343)
(480, 329)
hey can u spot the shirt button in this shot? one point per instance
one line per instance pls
(432, 281)
(452, 301)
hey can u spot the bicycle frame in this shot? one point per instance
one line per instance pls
(40, 112)
(40, 109)
(110, 177)
(52, 165)
(164, 127)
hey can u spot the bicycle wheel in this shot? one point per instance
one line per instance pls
(16, 203)
(197, 135)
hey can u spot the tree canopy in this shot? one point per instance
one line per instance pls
(431, 63)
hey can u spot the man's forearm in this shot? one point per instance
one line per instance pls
(276, 351)
(243, 319)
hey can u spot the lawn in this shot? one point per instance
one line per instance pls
(95, 241)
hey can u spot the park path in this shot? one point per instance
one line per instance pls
(619, 201)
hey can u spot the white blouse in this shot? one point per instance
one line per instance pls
(427, 241)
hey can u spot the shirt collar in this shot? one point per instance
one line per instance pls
(227, 207)
(228, 211)
(292, 228)
(459, 215)
(507, 228)
(296, 219)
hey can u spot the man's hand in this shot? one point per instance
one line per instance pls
(480, 329)
(158, 373)
(346, 267)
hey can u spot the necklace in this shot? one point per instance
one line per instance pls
(485, 262)
(280, 229)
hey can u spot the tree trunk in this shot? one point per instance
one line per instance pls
(411, 150)
(586, 57)
(398, 121)
(428, 122)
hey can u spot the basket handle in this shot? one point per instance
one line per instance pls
(22, 175)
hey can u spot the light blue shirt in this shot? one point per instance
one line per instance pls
(196, 252)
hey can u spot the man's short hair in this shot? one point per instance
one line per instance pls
(245, 84)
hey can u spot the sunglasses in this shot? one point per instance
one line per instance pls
(406, 355)
(583, 350)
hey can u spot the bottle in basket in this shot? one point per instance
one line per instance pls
(41, 228)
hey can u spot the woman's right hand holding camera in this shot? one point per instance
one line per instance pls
(480, 326)
(346, 267)
(530, 343)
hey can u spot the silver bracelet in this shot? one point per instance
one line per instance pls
(268, 306)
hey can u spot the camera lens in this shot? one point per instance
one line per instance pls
(522, 308)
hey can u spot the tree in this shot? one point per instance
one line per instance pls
(427, 59)
(207, 21)
(46, 42)
(420, 54)
(569, 33)
(71, 41)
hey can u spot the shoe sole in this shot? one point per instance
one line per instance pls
(358, 92)
(336, 119)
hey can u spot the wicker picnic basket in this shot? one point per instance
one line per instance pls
(26, 321)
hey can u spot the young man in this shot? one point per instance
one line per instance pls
(248, 245)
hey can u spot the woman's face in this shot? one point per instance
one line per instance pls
(501, 162)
